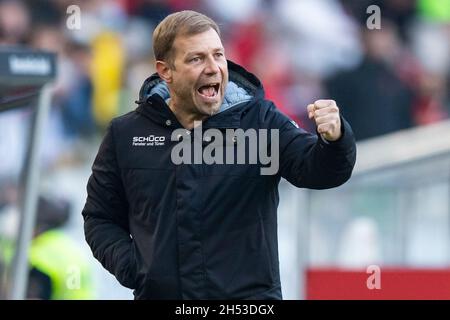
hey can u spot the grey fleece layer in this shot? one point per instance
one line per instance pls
(234, 94)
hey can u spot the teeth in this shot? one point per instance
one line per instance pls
(211, 88)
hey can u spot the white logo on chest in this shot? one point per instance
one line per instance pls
(149, 141)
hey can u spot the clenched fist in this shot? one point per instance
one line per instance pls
(326, 116)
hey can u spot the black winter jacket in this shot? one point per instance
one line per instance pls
(200, 231)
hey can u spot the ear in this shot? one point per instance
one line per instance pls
(164, 71)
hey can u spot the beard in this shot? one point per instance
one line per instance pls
(185, 97)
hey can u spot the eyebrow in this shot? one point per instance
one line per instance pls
(193, 53)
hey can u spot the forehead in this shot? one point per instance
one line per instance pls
(201, 42)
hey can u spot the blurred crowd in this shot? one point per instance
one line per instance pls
(383, 79)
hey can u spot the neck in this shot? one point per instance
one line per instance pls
(184, 116)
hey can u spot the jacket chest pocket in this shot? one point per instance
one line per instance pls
(235, 156)
(230, 160)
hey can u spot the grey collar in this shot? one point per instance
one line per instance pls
(234, 94)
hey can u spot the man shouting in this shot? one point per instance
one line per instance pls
(205, 226)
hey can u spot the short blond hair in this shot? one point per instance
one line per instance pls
(180, 23)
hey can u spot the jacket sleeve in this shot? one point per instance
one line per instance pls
(106, 215)
(308, 161)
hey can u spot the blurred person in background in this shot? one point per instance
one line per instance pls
(58, 268)
(401, 13)
(202, 231)
(70, 117)
(316, 38)
(374, 98)
(14, 22)
(430, 43)
(76, 104)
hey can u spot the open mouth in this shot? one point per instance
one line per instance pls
(210, 90)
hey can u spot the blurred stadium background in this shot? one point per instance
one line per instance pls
(392, 84)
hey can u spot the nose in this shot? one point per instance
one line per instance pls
(211, 67)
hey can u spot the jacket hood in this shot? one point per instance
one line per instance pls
(242, 87)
